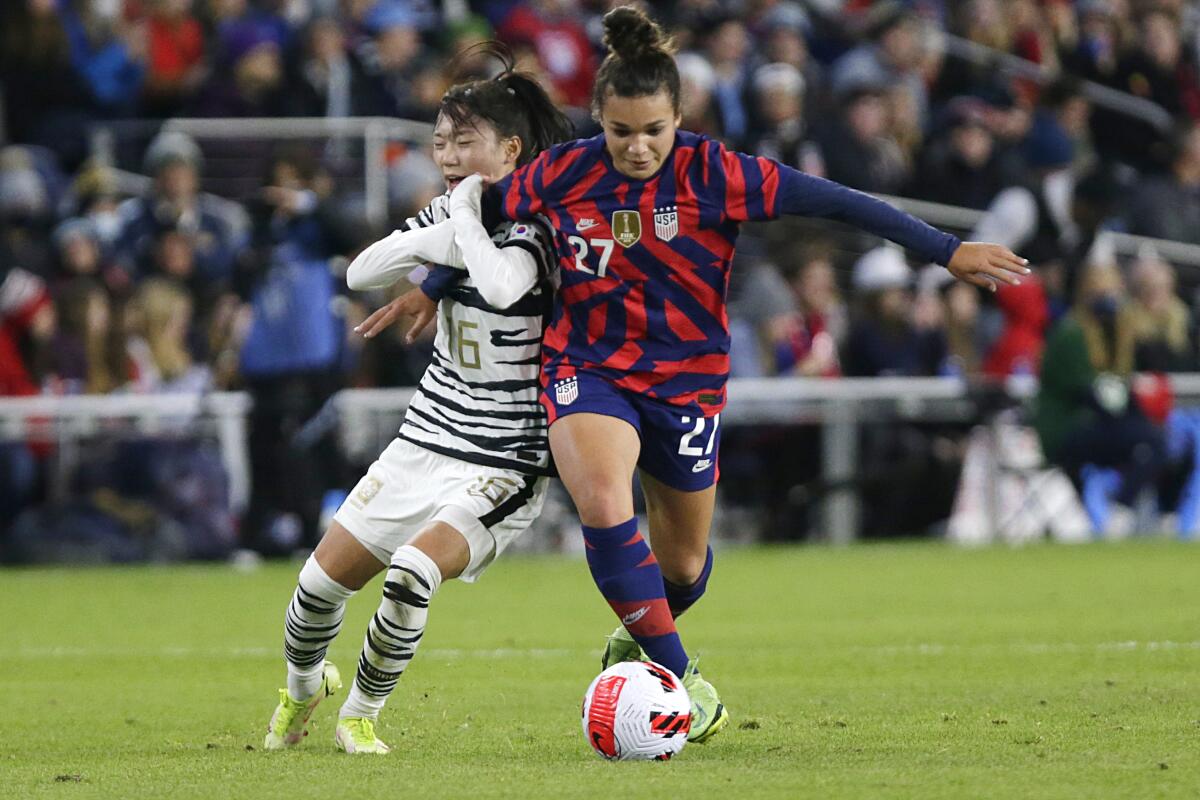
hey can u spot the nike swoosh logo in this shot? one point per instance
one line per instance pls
(634, 616)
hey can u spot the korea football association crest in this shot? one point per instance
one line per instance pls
(566, 391)
(626, 227)
(666, 222)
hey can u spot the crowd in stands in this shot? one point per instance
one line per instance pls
(170, 287)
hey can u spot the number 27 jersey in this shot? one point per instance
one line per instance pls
(645, 264)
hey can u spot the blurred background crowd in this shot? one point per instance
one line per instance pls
(136, 258)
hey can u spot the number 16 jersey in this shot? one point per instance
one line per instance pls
(478, 399)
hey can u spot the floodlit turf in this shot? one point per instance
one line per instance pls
(910, 670)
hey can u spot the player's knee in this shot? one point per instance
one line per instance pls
(604, 504)
(683, 569)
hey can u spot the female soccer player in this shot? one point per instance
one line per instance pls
(635, 359)
(467, 472)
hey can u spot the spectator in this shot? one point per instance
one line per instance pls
(885, 339)
(175, 204)
(26, 317)
(957, 314)
(109, 54)
(805, 342)
(1018, 349)
(726, 46)
(1083, 414)
(175, 61)
(778, 91)
(158, 320)
(1053, 221)
(1157, 70)
(857, 147)
(1161, 321)
(249, 78)
(783, 33)
(26, 212)
(52, 110)
(960, 167)
(552, 29)
(81, 255)
(389, 58)
(696, 106)
(893, 55)
(1095, 45)
(1168, 206)
(291, 358)
(89, 349)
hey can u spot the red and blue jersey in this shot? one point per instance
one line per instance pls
(645, 263)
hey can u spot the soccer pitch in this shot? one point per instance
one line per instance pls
(910, 670)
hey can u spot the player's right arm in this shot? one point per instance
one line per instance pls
(427, 238)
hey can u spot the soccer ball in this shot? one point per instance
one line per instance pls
(636, 711)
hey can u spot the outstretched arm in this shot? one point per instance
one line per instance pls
(758, 189)
(395, 256)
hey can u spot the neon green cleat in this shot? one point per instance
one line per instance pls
(620, 647)
(290, 721)
(356, 735)
(708, 712)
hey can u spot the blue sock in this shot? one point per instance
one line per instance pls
(628, 576)
(681, 598)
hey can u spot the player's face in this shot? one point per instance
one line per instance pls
(473, 148)
(639, 132)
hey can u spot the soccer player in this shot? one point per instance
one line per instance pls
(467, 472)
(635, 358)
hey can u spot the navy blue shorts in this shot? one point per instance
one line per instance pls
(677, 449)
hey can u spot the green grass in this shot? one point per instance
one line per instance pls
(909, 670)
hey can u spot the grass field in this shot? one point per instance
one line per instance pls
(910, 670)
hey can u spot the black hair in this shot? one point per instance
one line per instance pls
(640, 60)
(513, 103)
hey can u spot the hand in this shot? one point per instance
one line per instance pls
(413, 303)
(984, 264)
(466, 197)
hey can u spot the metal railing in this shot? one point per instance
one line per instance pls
(1101, 95)
(368, 419)
(375, 133)
(965, 219)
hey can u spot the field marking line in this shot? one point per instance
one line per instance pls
(27, 653)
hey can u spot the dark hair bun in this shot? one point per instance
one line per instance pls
(631, 35)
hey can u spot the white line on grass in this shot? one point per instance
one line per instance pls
(23, 653)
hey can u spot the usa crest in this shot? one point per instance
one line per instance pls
(666, 222)
(626, 227)
(566, 391)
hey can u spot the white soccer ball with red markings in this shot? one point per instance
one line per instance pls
(636, 711)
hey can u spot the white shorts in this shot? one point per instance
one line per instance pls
(409, 487)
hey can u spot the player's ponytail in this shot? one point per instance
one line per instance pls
(513, 103)
(547, 125)
(640, 59)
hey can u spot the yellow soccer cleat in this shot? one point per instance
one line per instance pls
(289, 723)
(356, 735)
(709, 715)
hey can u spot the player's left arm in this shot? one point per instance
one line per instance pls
(503, 275)
(760, 189)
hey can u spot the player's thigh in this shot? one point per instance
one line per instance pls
(680, 522)
(345, 559)
(486, 513)
(595, 455)
(395, 498)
